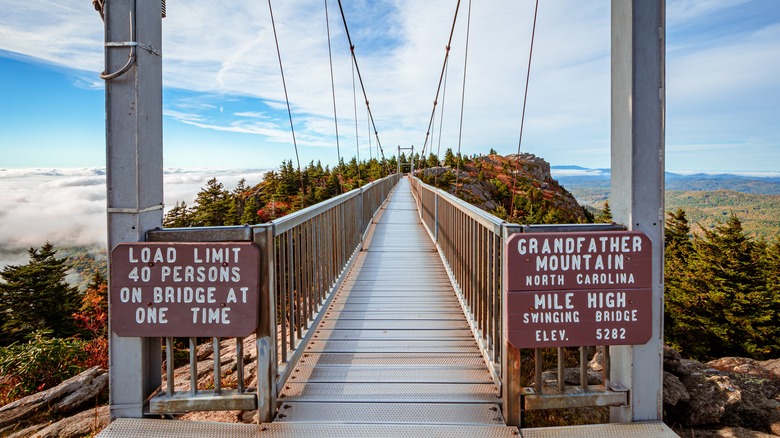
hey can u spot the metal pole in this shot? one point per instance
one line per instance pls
(266, 332)
(637, 200)
(411, 161)
(134, 176)
(510, 356)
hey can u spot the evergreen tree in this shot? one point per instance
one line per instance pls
(333, 185)
(727, 307)
(772, 266)
(772, 277)
(212, 205)
(374, 170)
(605, 217)
(433, 160)
(235, 201)
(36, 296)
(678, 323)
(179, 216)
(289, 180)
(249, 216)
(449, 158)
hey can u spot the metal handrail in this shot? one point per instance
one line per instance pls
(470, 242)
(303, 258)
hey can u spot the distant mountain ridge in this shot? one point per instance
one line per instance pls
(577, 177)
(706, 198)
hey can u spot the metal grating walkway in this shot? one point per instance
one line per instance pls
(393, 356)
(394, 347)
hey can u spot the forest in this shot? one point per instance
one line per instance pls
(722, 285)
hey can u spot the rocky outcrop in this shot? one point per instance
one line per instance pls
(85, 423)
(489, 182)
(67, 397)
(737, 393)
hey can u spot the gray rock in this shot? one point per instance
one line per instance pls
(674, 390)
(671, 360)
(41, 401)
(571, 376)
(707, 402)
(85, 423)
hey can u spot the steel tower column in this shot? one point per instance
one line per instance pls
(134, 175)
(637, 199)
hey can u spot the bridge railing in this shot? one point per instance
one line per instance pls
(470, 242)
(303, 258)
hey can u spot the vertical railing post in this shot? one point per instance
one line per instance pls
(266, 331)
(637, 194)
(435, 217)
(360, 214)
(134, 177)
(510, 356)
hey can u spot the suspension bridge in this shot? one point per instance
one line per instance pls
(386, 311)
(404, 345)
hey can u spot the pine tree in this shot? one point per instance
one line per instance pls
(235, 202)
(605, 217)
(449, 158)
(212, 205)
(772, 267)
(36, 296)
(772, 277)
(249, 216)
(179, 216)
(677, 309)
(729, 310)
(333, 185)
(433, 160)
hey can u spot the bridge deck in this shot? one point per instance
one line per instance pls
(394, 345)
(392, 356)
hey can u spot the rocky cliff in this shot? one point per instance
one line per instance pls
(498, 183)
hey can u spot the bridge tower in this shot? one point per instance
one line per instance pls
(134, 174)
(637, 198)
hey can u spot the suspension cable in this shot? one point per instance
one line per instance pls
(522, 117)
(332, 84)
(463, 97)
(368, 127)
(362, 86)
(441, 116)
(287, 99)
(441, 76)
(357, 139)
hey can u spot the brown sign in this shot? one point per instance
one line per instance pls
(185, 289)
(572, 289)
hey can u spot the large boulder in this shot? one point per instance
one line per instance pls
(66, 397)
(734, 392)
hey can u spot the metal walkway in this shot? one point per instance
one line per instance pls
(394, 346)
(393, 356)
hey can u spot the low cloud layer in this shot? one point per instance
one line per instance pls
(68, 206)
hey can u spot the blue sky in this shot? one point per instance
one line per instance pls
(224, 108)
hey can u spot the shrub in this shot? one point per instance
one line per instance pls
(40, 363)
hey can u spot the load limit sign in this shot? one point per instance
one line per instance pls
(185, 289)
(573, 289)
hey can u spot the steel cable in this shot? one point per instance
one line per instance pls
(287, 99)
(522, 117)
(463, 98)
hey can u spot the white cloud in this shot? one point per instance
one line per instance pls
(68, 206)
(558, 173)
(227, 51)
